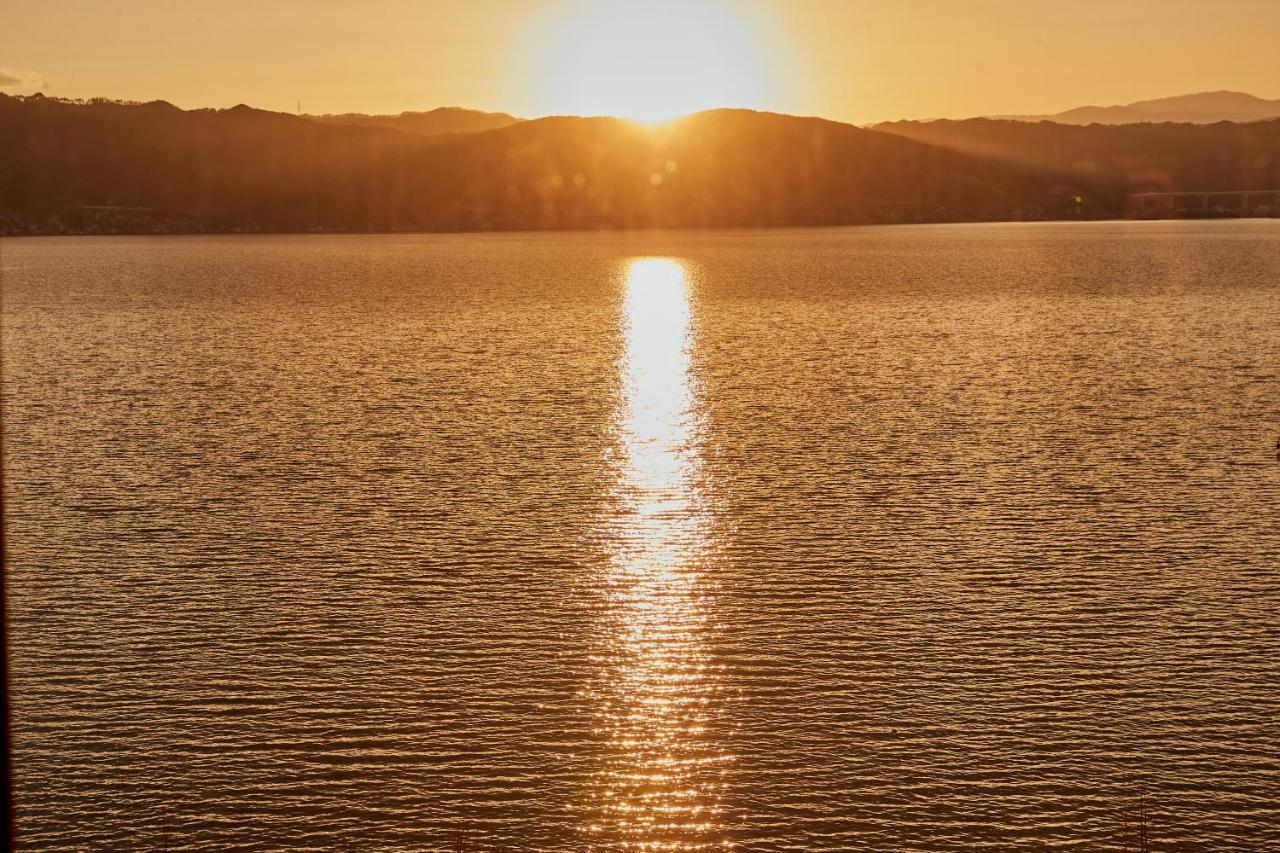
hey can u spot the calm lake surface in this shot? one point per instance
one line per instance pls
(937, 538)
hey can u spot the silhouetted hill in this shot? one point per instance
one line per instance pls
(218, 168)
(1136, 157)
(431, 123)
(1200, 108)
(245, 168)
(724, 167)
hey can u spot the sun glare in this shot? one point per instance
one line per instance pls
(662, 784)
(651, 60)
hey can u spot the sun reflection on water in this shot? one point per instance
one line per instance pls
(663, 779)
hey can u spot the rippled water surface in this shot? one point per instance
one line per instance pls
(952, 538)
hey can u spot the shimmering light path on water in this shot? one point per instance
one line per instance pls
(664, 768)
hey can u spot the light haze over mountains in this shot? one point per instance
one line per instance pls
(429, 123)
(1199, 108)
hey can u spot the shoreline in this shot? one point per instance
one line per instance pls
(318, 232)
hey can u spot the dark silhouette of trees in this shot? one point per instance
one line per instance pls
(1132, 157)
(117, 166)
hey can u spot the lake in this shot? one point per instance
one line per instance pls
(935, 538)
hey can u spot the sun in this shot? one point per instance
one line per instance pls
(651, 60)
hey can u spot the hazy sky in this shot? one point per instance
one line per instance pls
(854, 60)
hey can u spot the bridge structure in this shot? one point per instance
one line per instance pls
(1225, 203)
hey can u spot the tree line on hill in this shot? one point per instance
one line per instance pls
(111, 166)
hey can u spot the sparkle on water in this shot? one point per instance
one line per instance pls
(659, 786)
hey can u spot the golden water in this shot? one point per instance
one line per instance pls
(948, 538)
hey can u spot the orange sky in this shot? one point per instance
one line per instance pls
(853, 60)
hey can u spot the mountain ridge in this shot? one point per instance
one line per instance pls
(432, 122)
(1144, 157)
(1193, 108)
(105, 167)
(257, 170)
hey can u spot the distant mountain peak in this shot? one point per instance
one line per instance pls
(1194, 108)
(433, 122)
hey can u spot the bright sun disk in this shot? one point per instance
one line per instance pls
(652, 61)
